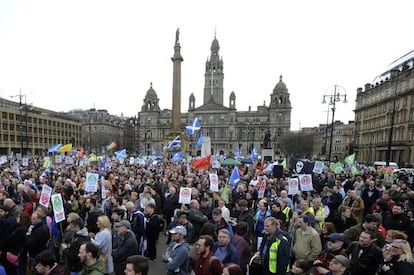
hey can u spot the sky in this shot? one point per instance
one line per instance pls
(83, 54)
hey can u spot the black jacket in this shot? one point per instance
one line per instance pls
(71, 253)
(37, 241)
(364, 260)
(397, 267)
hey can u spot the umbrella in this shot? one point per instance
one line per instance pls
(230, 162)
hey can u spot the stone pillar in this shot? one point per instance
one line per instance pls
(176, 100)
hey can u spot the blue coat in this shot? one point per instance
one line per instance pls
(232, 255)
(179, 254)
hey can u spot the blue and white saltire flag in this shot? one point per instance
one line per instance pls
(193, 127)
(235, 177)
(254, 154)
(174, 144)
(153, 153)
(54, 148)
(200, 141)
(238, 153)
(178, 156)
(121, 154)
(102, 164)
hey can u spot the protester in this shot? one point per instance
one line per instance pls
(176, 255)
(232, 269)
(46, 264)
(275, 249)
(126, 247)
(364, 255)
(103, 239)
(224, 250)
(401, 260)
(307, 244)
(207, 263)
(136, 265)
(92, 263)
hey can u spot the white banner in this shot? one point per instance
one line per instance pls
(45, 196)
(305, 182)
(318, 167)
(91, 185)
(58, 159)
(293, 186)
(58, 209)
(185, 195)
(213, 182)
(262, 189)
(25, 162)
(103, 188)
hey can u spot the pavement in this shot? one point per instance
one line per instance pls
(158, 267)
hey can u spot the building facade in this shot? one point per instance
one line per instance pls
(227, 127)
(99, 128)
(31, 130)
(384, 115)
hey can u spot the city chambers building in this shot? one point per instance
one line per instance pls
(384, 115)
(227, 127)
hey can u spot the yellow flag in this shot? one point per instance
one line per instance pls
(65, 148)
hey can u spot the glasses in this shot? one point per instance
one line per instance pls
(396, 247)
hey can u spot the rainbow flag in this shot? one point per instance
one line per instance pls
(111, 146)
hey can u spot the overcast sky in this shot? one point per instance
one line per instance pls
(67, 55)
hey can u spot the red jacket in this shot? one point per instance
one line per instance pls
(204, 266)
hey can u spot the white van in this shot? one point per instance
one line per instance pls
(384, 164)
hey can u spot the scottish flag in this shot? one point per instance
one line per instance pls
(254, 154)
(178, 156)
(238, 153)
(193, 127)
(174, 144)
(54, 148)
(121, 154)
(235, 177)
(200, 141)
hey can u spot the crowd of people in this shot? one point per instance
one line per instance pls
(348, 224)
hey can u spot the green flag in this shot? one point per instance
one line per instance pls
(225, 193)
(350, 159)
(284, 163)
(354, 170)
(337, 167)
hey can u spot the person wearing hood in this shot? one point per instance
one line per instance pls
(176, 255)
(89, 256)
(71, 250)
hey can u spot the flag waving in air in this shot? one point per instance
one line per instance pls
(111, 146)
(174, 144)
(193, 127)
(121, 154)
(254, 154)
(65, 148)
(200, 141)
(238, 153)
(235, 177)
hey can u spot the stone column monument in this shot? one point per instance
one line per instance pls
(176, 100)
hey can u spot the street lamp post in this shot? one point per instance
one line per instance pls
(333, 98)
(388, 155)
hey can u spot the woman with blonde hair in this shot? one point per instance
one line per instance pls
(389, 239)
(103, 240)
(401, 260)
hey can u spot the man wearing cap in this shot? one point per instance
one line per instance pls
(338, 266)
(182, 220)
(220, 223)
(127, 246)
(334, 247)
(176, 255)
(307, 244)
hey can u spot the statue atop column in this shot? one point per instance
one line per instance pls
(266, 141)
(177, 36)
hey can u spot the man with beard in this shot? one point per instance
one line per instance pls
(92, 263)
